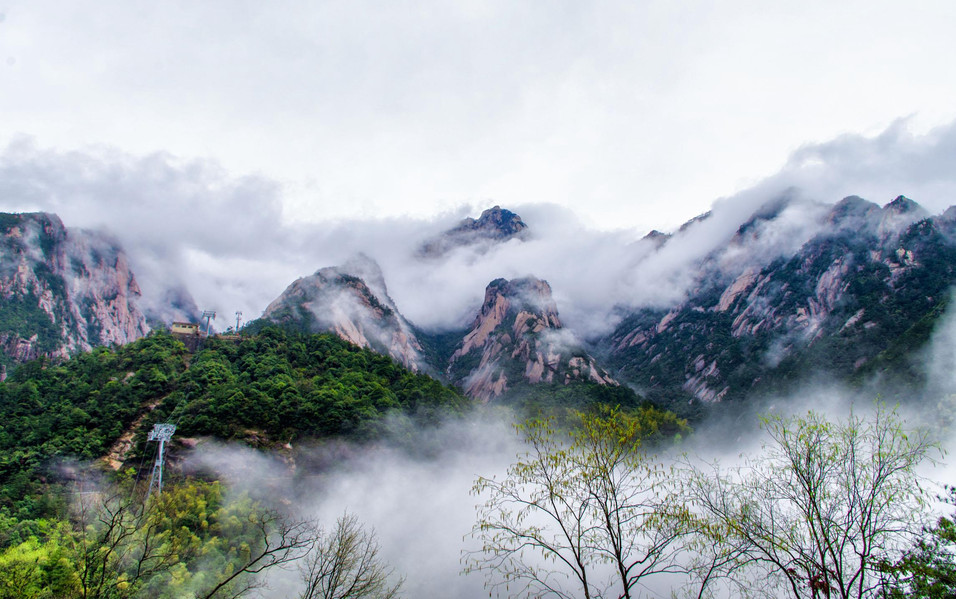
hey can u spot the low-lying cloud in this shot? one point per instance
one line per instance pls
(414, 487)
(414, 494)
(225, 238)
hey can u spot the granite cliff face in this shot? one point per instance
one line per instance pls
(62, 290)
(799, 289)
(517, 338)
(351, 301)
(831, 307)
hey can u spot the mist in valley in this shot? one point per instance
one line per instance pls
(414, 486)
(669, 163)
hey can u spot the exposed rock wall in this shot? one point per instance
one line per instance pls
(356, 308)
(831, 306)
(63, 291)
(517, 338)
(495, 225)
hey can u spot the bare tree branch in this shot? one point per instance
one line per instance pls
(346, 565)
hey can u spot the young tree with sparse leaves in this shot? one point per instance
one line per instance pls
(345, 564)
(820, 510)
(584, 513)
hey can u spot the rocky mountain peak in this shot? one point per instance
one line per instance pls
(897, 216)
(517, 338)
(368, 270)
(656, 237)
(863, 277)
(495, 225)
(852, 211)
(697, 219)
(766, 212)
(494, 222)
(528, 294)
(903, 205)
(352, 302)
(770, 211)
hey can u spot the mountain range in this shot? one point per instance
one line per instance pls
(854, 299)
(869, 282)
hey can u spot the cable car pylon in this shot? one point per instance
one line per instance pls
(162, 433)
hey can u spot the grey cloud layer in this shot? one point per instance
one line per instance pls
(370, 107)
(225, 237)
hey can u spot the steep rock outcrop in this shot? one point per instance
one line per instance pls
(829, 308)
(495, 225)
(897, 216)
(656, 238)
(352, 302)
(63, 291)
(517, 339)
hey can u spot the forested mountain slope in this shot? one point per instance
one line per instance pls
(270, 389)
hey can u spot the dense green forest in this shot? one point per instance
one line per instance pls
(116, 545)
(270, 389)
(66, 531)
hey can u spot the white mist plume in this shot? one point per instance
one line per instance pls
(223, 237)
(415, 492)
(416, 497)
(940, 355)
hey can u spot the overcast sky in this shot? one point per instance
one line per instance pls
(237, 145)
(632, 113)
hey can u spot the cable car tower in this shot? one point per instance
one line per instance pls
(161, 433)
(208, 314)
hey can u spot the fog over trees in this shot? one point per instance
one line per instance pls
(597, 501)
(595, 300)
(828, 508)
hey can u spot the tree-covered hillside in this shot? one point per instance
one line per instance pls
(275, 387)
(106, 538)
(289, 385)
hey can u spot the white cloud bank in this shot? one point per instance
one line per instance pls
(227, 240)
